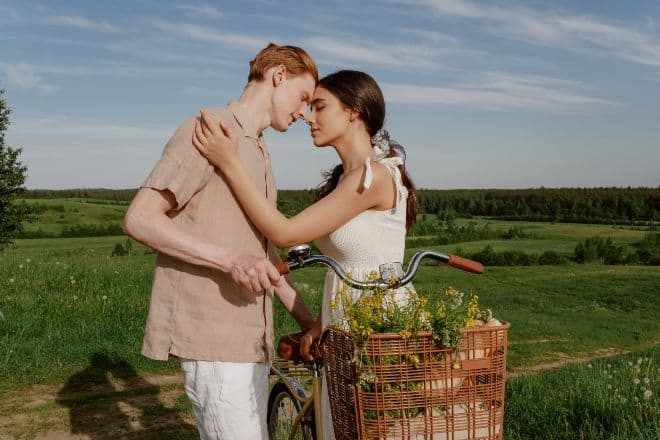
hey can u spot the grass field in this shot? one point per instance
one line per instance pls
(67, 303)
(57, 213)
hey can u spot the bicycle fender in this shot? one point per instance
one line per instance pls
(296, 386)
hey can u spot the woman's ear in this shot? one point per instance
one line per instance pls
(279, 75)
(353, 115)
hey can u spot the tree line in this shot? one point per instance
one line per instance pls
(576, 205)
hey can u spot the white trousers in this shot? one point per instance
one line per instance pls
(229, 399)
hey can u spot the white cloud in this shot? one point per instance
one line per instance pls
(79, 22)
(60, 152)
(23, 76)
(26, 77)
(65, 128)
(552, 28)
(497, 91)
(625, 43)
(204, 34)
(336, 51)
(204, 11)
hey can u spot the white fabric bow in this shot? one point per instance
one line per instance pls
(377, 154)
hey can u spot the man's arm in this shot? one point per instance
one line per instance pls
(147, 222)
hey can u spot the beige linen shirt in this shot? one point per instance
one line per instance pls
(196, 312)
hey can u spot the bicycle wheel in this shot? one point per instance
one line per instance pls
(282, 411)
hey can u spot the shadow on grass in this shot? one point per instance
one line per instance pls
(109, 400)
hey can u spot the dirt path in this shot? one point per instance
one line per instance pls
(93, 407)
(564, 359)
(150, 407)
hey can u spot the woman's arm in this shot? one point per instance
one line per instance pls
(319, 219)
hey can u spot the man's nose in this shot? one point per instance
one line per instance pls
(301, 113)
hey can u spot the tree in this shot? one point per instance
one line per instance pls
(12, 177)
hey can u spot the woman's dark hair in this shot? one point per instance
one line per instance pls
(360, 92)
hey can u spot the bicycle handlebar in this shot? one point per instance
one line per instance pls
(391, 276)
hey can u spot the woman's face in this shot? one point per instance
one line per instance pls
(329, 119)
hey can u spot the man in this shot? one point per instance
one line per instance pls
(212, 288)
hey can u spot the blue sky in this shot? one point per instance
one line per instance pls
(490, 94)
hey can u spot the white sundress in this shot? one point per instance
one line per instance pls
(369, 239)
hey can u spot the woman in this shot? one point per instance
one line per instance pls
(361, 212)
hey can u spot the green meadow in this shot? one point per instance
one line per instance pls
(67, 301)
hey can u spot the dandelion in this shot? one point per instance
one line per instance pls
(647, 380)
(648, 394)
(27, 260)
(589, 366)
(75, 297)
(636, 381)
(104, 297)
(20, 266)
(630, 363)
(609, 386)
(11, 280)
(609, 366)
(73, 281)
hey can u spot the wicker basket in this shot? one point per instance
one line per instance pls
(411, 388)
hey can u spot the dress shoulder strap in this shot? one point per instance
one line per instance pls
(392, 165)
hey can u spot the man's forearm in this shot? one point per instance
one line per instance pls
(147, 222)
(295, 305)
(165, 236)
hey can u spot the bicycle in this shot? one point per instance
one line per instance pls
(291, 411)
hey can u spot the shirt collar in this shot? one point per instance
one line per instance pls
(240, 114)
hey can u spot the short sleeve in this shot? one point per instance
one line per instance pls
(181, 169)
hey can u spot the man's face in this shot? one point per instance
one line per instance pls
(290, 100)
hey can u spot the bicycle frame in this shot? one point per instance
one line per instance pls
(307, 403)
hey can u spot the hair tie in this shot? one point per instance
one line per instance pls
(381, 140)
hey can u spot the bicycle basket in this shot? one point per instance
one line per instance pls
(412, 388)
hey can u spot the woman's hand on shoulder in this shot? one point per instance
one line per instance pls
(215, 141)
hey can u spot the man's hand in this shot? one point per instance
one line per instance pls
(254, 273)
(306, 341)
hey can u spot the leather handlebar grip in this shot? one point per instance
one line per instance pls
(288, 347)
(465, 264)
(282, 268)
